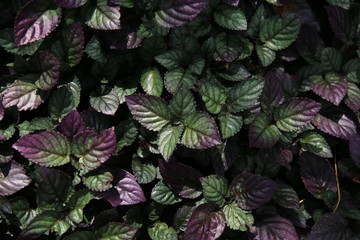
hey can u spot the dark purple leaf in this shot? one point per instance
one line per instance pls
(251, 190)
(36, 20)
(182, 179)
(317, 175)
(331, 226)
(72, 124)
(262, 133)
(275, 228)
(175, 13)
(232, 2)
(96, 120)
(70, 3)
(49, 66)
(205, 223)
(332, 88)
(309, 44)
(12, 178)
(73, 43)
(273, 92)
(343, 128)
(340, 22)
(285, 158)
(354, 145)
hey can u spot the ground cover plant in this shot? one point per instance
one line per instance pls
(180, 119)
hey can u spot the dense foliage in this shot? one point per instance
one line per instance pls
(180, 119)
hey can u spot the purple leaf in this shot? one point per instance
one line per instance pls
(175, 13)
(72, 124)
(344, 128)
(275, 228)
(2, 108)
(49, 66)
(48, 148)
(12, 178)
(36, 20)
(273, 92)
(354, 145)
(339, 22)
(332, 88)
(232, 2)
(285, 157)
(317, 175)
(70, 3)
(309, 44)
(94, 149)
(262, 133)
(73, 43)
(251, 190)
(352, 99)
(182, 179)
(205, 223)
(330, 226)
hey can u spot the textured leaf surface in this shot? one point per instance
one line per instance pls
(151, 81)
(236, 218)
(330, 226)
(70, 3)
(229, 124)
(72, 124)
(332, 88)
(251, 190)
(49, 66)
(99, 181)
(343, 128)
(77, 203)
(48, 148)
(144, 172)
(354, 146)
(35, 21)
(182, 179)
(227, 47)
(40, 123)
(214, 96)
(315, 143)
(262, 133)
(151, 111)
(215, 189)
(116, 231)
(200, 131)
(176, 13)
(12, 178)
(352, 99)
(331, 59)
(7, 41)
(295, 113)
(273, 93)
(205, 223)
(94, 149)
(107, 102)
(340, 23)
(179, 79)
(162, 194)
(230, 17)
(168, 139)
(274, 228)
(286, 196)
(278, 33)
(73, 43)
(266, 55)
(243, 95)
(317, 175)
(182, 104)
(103, 16)
(161, 231)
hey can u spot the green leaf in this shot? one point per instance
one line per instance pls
(99, 181)
(230, 17)
(227, 47)
(179, 79)
(77, 203)
(266, 55)
(331, 59)
(215, 189)
(315, 143)
(126, 132)
(151, 111)
(278, 33)
(256, 21)
(213, 94)
(40, 123)
(7, 41)
(106, 101)
(22, 211)
(340, 3)
(94, 50)
(171, 59)
(243, 95)
(286, 196)
(116, 231)
(103, 16)
(144, 172)
(161, 231)
(151, 81)
(182, 104)
(200, 131)
(162, 194)
(229, 124)
(262, 133)
(168, 139)
(236, 218)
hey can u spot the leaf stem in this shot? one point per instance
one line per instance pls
(337, 183)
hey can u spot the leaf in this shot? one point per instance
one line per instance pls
(22, 211)
(230, 17)
(36, 20)
(126, 133)
(49, 66)
(95, 120)
(315, 143)
(340, 3)
(330, 226)
(106, 102)
(116, 231)
(72, 124)
(352, 99)
(129, 190)
(273, 93)
(295, 113)
(317, 175)
(103, 17)
(278, 33)
(182, 104)
(81, 235)
(151, 82)
(286, 196)
(73, 43)
(40, 123)
(94, 149)
(168, 139)
(227, 47)
(229, 124)
(236, 218)
(162, 194)
(340, 23)
(70, 3)
(262, 133)
(274, 228)
(266, 55)
(182, 179)
(213, 94)
(77, 203)
(243, 95)
(215, 189)
(98, 181)
(343, 128)
(251, 191)
(161, 231)
(95, 51)
(354, 147)
(172, 59)
(331, 59)
(177, 79)
(48, 148)
(233, 71)
(151, 111)
(144, 172)
(12, 178)
(176, 13)
(7, 41)
(200, 132)
(23, 95)
(205, 223)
